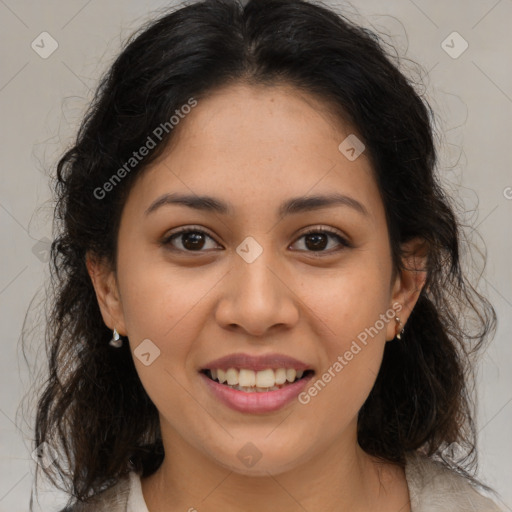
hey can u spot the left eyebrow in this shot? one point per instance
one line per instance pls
(308, 203)
(291, 206)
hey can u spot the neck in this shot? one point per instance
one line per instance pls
(343, 477)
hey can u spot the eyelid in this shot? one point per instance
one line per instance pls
(343, 239)
(186, 229)
(324, 229)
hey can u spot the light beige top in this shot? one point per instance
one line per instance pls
(432, 488)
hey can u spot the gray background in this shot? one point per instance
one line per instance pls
(42, 100)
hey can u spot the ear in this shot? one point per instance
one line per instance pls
(408, 283)
(104, 280)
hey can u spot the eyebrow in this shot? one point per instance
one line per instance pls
(291, 206)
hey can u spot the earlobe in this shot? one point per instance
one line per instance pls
(104, 281)
(409, 281)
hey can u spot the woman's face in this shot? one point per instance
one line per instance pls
(253, 284)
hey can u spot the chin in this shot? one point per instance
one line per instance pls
(251, 461)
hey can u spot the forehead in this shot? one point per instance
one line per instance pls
(263, 144)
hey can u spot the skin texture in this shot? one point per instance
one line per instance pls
(255, 147)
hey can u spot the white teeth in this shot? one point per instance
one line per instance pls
(265, 379)
(221, 375)
(255, 390)
(291, 374)
(280, 376)
(249, 380)
(232, 376)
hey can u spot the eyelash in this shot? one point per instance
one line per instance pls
(168, 239)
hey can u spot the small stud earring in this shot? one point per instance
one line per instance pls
(116, 341)
(400, 328)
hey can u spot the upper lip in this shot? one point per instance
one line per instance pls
(256, 363)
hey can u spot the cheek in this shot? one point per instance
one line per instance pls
(159, 298)
(166, 305)
(349, 299)
(351, 307)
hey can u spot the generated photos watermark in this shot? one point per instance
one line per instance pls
(355, 348)
(145, 149)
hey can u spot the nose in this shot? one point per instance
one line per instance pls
(258, 297)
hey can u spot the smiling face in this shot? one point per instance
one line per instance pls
(248, 280)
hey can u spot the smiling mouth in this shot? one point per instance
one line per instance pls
(252, 381)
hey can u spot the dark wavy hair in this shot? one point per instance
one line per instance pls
(93, 407)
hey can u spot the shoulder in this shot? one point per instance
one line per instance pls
(113, 499)
(435, 488)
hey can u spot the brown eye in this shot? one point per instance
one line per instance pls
(195, 240)
(317, 239)
(191, 240)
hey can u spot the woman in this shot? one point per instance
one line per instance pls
(258, 286)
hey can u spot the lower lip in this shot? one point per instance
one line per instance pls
(256, 402)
